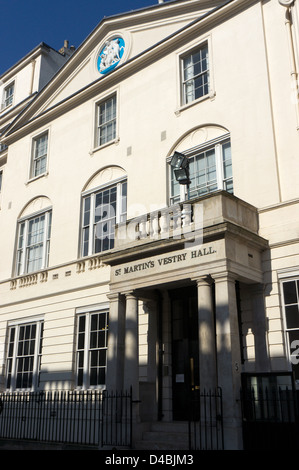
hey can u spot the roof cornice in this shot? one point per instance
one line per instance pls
(42, 48)
(129, 67)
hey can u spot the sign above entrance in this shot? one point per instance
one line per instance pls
(167, 262)
(110, 55)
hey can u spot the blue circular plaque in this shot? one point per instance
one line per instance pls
(110, 55)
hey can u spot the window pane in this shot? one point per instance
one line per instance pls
(203, 171)
(102, 357)
(195, 75)
(229, 187)
(107, 121)
(107, 210)
(8, 95)
(105, 219)
(292, 316)
(36, 230)
(40, 155)
(41, 146)
(80, 348)
(28, 351)
(290, 292)
(11, 342)
(291, 303)
(95, 348)
(86, 210)
(33, 249)
(94, 322)
(123, 205)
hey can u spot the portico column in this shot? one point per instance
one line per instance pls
(131, 368)
(115, 350)
(259, 328)
(228, 358)
(206, 335)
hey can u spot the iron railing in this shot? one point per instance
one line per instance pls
(89, 417)
(206, 422)
(117, 419)
(270, 418)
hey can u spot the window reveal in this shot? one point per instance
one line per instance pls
(34, 243)
(106, 121)
(291, 313)
(92, 340)
(195, 74)
(101, 211)
(210, 170)
(40, 153)
(24, 356)
(8, 95)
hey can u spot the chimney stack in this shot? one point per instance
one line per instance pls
(66, 50)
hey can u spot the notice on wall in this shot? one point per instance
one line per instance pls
(180, 378)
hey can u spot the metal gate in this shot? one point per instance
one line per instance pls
(205, 420)
(270, 412)
(117, 419)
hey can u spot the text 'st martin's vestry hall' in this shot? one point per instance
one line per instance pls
(149, 274)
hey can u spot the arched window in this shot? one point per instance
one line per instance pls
(210, 167)
(104, 204)
(33, 239)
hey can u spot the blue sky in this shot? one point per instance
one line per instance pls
(27, 23)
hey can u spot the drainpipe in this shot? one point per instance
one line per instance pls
(294, 72)
(33, 63)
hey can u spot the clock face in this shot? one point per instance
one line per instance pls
(110, 55)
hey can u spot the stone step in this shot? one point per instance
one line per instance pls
(160, 445)
(165, 436)
(176, 426)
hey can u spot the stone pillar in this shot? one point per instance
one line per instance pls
(131, 366)
(259, 328)
(228, 358)
(115, 350)
(206, 335)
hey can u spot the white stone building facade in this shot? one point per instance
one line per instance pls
(185, 286)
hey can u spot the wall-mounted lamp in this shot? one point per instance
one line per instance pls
(180, 165)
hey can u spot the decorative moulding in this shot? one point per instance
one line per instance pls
(286, 3)
(113, 50)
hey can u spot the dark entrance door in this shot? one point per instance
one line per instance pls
(185, 350)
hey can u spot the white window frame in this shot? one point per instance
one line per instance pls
(83, 353)
(98, 125)
(22, 248)
(181, 54)
(8, 98)
(120, 215)
(13, 356)
(183, 57)
(292, 353)
(35, 158)
(217, 145)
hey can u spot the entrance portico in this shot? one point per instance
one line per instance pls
(174, 313)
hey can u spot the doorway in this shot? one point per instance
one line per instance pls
(185, 350)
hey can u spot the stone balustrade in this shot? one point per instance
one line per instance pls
(182, 219)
